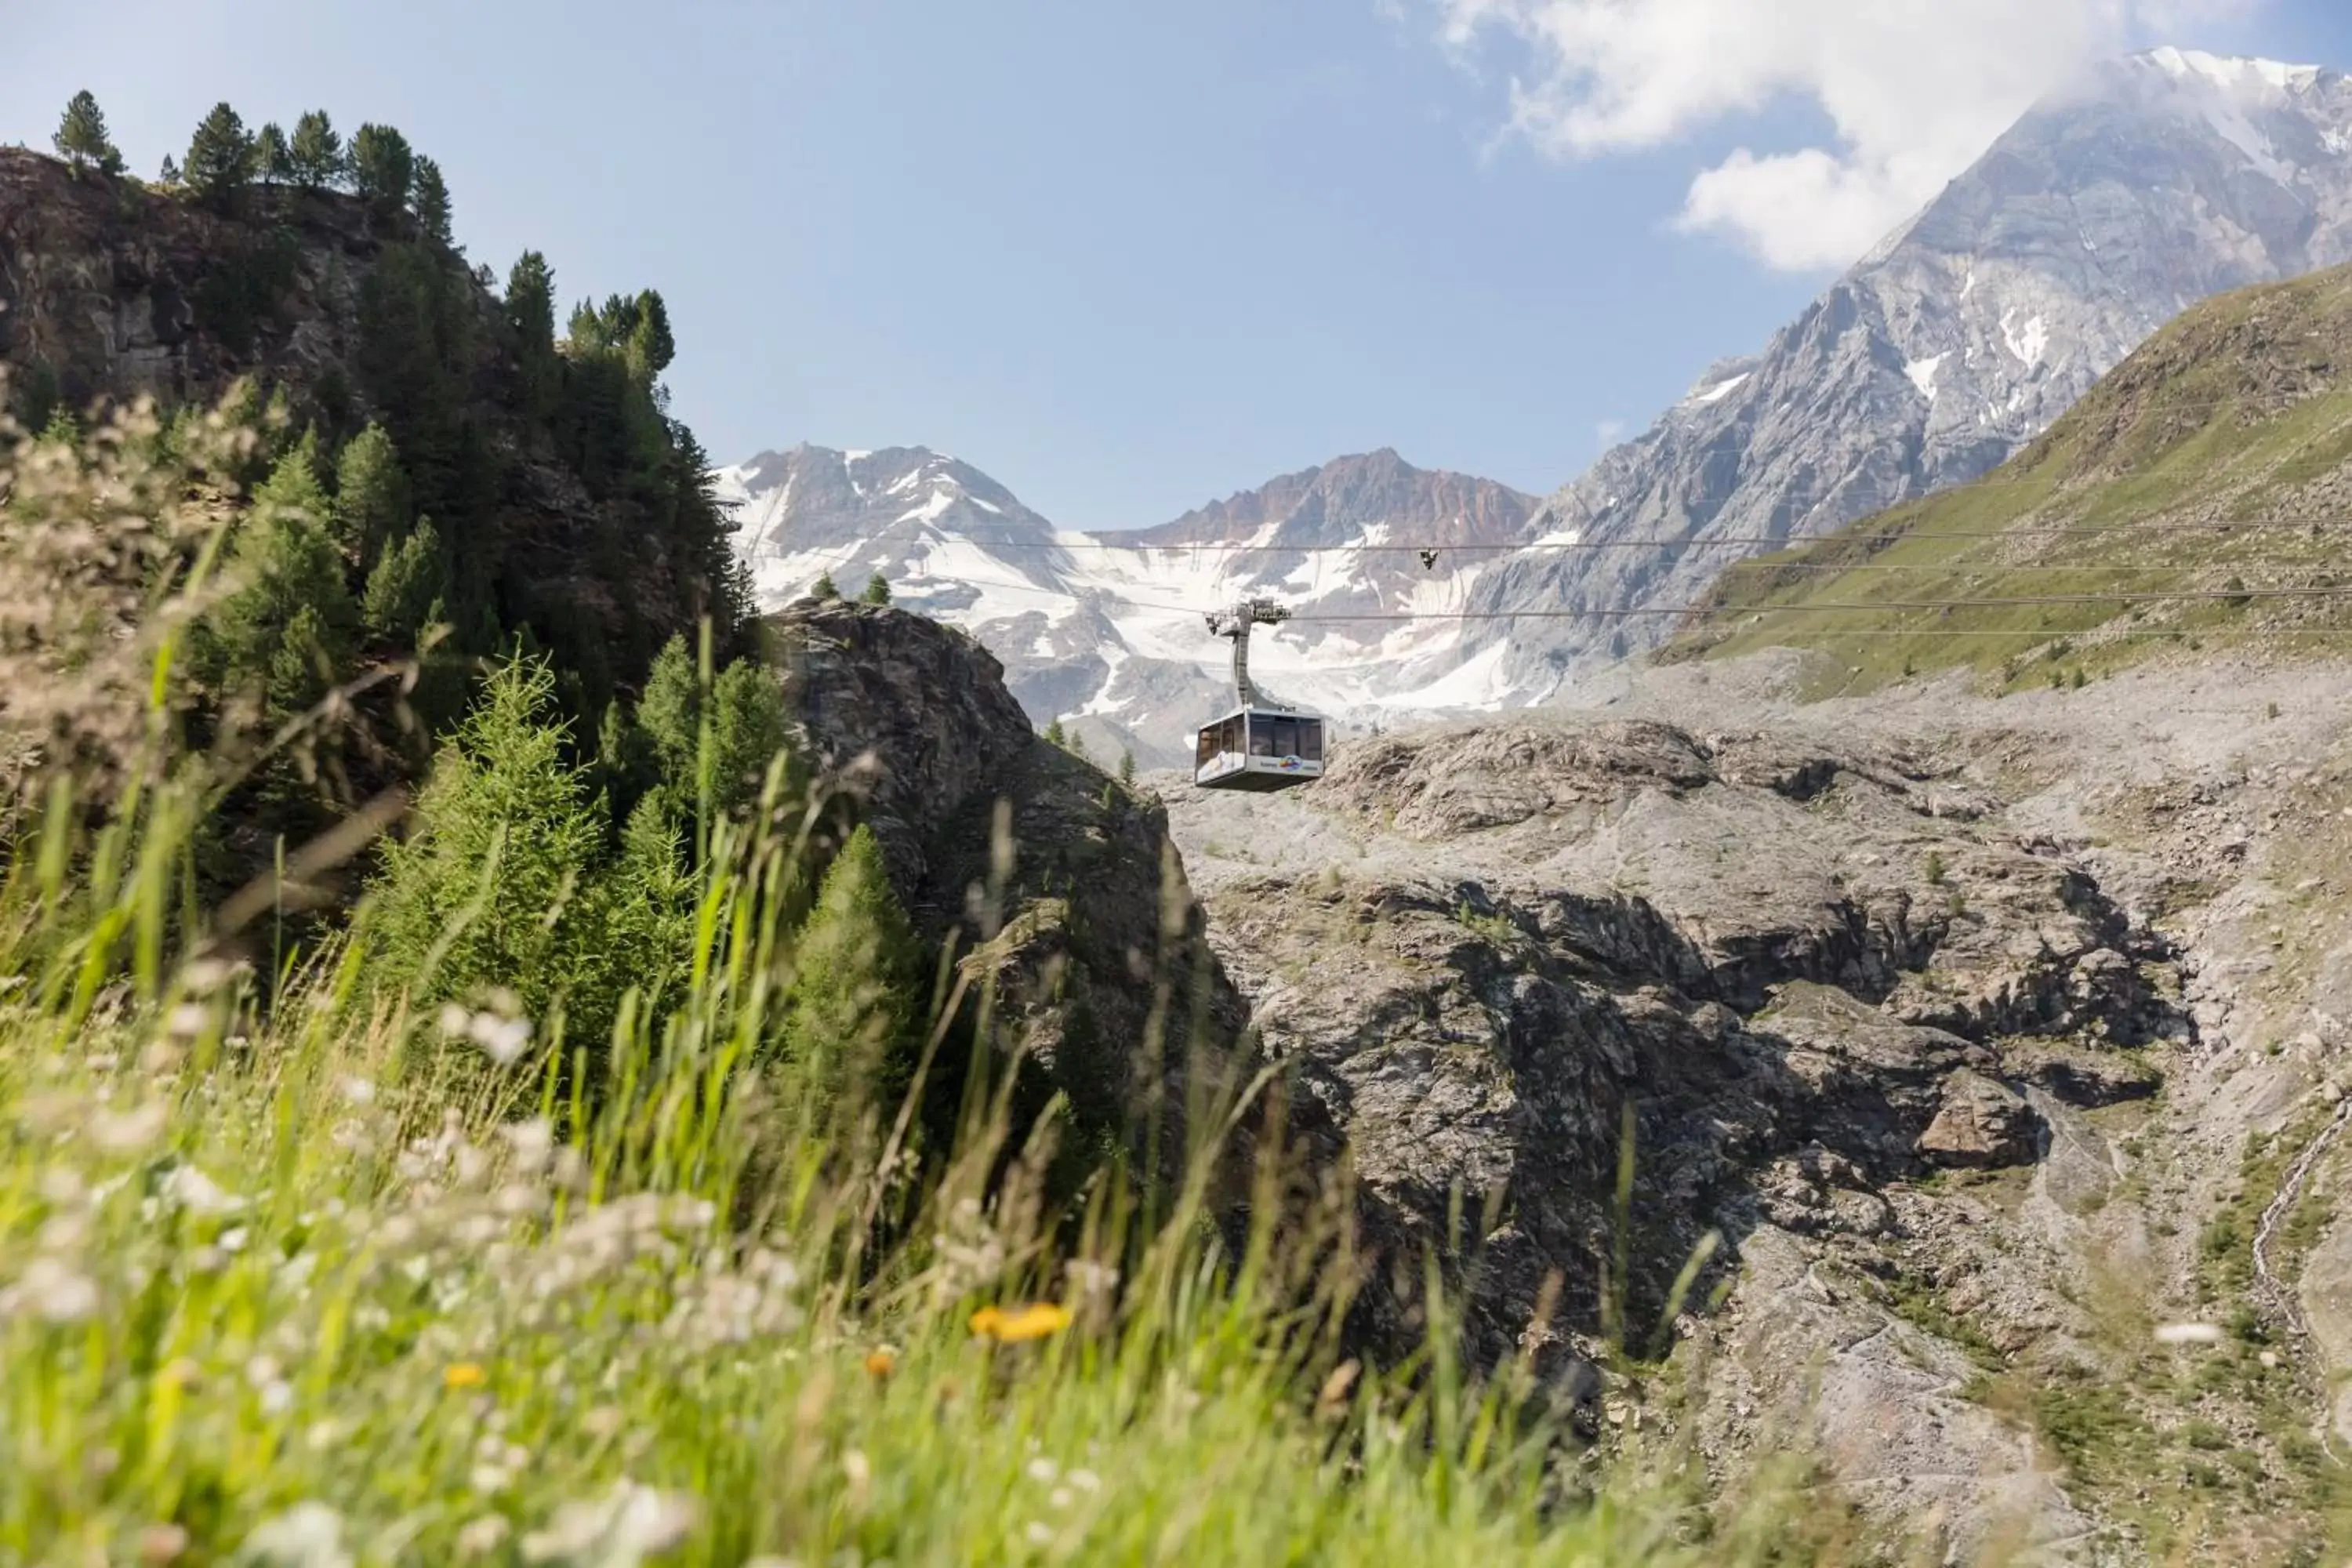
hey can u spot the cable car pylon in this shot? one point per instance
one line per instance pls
(1264, 744)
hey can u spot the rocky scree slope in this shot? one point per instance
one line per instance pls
(1047, 882)
(2107, 209)
(1882, 1020)
(1110, 640)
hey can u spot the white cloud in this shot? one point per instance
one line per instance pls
(1608, 433)
(1915, 89)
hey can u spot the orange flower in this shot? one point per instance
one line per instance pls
(880, 1361)
(464, 1375)
(1033, 1321)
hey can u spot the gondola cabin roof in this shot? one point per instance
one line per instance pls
(1259, 748)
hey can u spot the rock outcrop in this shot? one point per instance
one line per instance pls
(1804, 979)
(1058, 888)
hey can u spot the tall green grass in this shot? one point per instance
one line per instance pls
(293, 1272)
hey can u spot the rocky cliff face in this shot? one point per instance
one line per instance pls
(112, 291)
(2161, 180)
(1056, 887)
(1917, 1004)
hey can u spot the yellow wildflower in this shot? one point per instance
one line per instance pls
(464, 1375)
(878, 1363)
(1033, 1321)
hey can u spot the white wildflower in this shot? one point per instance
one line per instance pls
(1061, 1498)
(1039, 1533)
(515, 1200)
(470, 1164)
(1085, 1480)
(620, 1529)
(208, 974)
(187, 1020)
(53, 1291)
(198, 1194)
(62, 1185)
(1089, 1279)
(358, 1091)
(483, 1536)
(455, 1021)
(531, 1142)
(502, 1039)
(308, 1535)
(132, 1131)
(64, 1232)
(1044, 1470)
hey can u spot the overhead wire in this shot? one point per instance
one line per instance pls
(1873, 606)
(1647, 542)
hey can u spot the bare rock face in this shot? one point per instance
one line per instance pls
(1802, 978)
(1056, 886)
(1979, 1123)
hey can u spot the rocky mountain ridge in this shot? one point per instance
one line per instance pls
(1105, 630)
(2158, 181)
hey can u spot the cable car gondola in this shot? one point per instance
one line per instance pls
(1262, 744)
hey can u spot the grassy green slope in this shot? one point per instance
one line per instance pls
(2212, 460)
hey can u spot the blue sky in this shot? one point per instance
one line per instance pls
(1123, 257)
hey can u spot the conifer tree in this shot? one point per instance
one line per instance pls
(432, 201)
(878, 590)
(492, 875)
(1054, 734)
(81, 140)
(372, 499)
(649, 343)
(747, 731)
(670, 713)
(407, 581)
(317, 151)
(221, 157)
(648, 937)
(850, 1012)
(273, 156)
(302, 666)
(823, 587)
(1126, 768)
(168, 176)
(531, 314)
(382, 169)
(285, 562)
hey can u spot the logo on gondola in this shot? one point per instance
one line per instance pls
(1289, 765)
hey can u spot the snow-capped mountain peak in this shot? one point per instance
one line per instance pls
(2233, 74)
(2158, 180)
(1104, 631)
